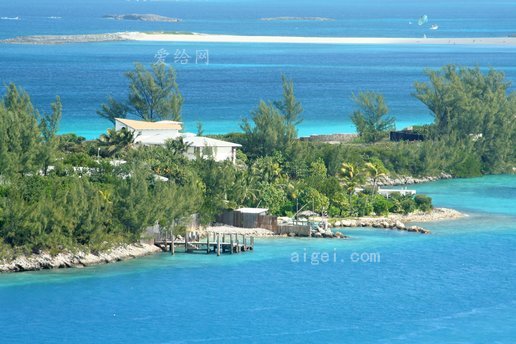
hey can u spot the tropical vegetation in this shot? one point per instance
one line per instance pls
(62, 192)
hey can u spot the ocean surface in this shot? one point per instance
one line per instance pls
(219, 94)
(456, 285)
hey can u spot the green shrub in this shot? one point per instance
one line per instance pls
(362, 206)
(381, 205)
(423, 202)
(408, 205)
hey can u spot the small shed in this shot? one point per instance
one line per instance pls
(245, 217)
(248, 217)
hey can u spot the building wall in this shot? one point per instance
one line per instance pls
(219, 153)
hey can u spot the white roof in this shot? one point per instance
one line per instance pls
(252, 210)
(201, 141)
(159, 138)
(156, 139)
(146, 125)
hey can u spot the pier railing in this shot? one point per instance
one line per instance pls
(194, 242)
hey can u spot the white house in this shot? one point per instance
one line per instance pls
(156, 133)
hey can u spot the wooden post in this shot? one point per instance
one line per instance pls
(237, 244)
(252, 243)
(218, 244)
(172, 246)
(245, 243)
(186, 241)
(208, 243)
(231, 243)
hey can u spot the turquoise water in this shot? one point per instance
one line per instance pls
(455, 285)
(221, 93)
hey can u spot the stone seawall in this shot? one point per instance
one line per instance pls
(79, 259)
(408, 180)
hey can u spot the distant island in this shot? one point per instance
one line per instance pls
(62, 39)
(178, 36)
(142, 17)
(297, 18)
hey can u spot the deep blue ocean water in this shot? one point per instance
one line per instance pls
(456, 285)
(221, 93)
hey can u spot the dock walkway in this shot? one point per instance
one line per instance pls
(218, 243)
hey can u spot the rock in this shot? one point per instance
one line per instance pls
(339, 235)
(79, 259)
(328, 234)
(318, 235)
(338, 224)
(291, 234)
(412, 229)
(400, 225)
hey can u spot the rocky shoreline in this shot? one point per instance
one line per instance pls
(399, 221)
(79, 259)
(408, 180)
(123, 252)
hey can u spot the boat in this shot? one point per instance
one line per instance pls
(422, 20)
(10, 18)
(434, 27)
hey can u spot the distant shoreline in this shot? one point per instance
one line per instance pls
(296, 19)
(216, 38)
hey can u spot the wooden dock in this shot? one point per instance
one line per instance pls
(217, 243)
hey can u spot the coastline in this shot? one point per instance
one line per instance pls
(222, 38)
(400, 221)
(408, 180)
(76, 260)
(216, 38)
(81, 259)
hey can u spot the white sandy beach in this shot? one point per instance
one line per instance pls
(211, 38)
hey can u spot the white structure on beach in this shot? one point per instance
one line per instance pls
(403, 192)
(157, 133)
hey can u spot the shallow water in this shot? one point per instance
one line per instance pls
(455, 285)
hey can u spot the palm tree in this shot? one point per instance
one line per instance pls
(116, 141)
(375, 171)
(352, 177)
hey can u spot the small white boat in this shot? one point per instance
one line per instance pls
(434, 27)
(10, 18)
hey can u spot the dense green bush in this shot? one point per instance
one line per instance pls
(381, 205)
(423, 202)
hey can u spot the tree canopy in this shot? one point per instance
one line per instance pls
(153, 96)
(371, 119)
(471, 106)
(274, 123)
